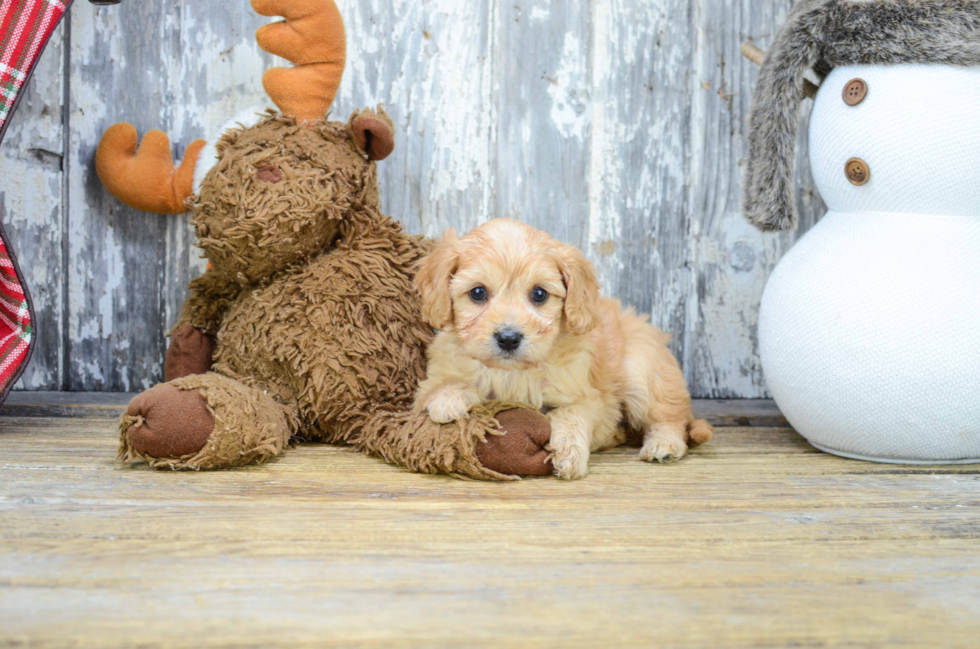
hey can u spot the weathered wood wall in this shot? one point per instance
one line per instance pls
(618, 125)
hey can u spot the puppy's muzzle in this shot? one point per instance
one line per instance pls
(508, 339)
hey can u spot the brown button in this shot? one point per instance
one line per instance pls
(855, 91)
(857, 171)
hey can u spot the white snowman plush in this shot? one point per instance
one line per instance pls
(869, 330)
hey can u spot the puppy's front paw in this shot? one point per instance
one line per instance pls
(571, 461)
(450, 406)
(663, 449)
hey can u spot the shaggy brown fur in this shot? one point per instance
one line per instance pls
(409, 439)
(318, 328)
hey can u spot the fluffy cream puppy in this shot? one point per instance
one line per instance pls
(522, 320)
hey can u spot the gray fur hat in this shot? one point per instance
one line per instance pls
(823, 34)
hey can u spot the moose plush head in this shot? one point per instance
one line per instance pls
(276, 187)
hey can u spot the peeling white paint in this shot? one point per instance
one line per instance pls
(605, 168)
(588, 120)
(569, 90)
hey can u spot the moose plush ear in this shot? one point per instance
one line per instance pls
(432, 280)
(581, 290)
(374, 133)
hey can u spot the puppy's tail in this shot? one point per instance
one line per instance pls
(699, 432)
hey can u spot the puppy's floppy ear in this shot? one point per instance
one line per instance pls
(581, 290)
(432, 280)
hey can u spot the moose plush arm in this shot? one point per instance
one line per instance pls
(210, 296)
(194, 338)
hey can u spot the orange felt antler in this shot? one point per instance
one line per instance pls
(145, 179)
(312, 38)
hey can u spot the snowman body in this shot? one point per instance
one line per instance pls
(869, 329)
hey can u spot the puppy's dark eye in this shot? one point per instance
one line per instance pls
(539, 295)
(478, 294)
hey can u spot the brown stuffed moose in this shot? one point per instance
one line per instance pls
(306, 324)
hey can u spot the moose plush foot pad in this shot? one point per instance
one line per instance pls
(521, 450)
(205, 421)
(167, 422)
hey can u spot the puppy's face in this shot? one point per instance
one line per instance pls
(507, 307)
(509, 291)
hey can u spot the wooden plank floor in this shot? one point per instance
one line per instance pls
(755, 540)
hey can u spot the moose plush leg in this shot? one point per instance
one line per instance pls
(190, 352)
(204, 421)
(495, 442)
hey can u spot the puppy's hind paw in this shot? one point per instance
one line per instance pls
(663, 450)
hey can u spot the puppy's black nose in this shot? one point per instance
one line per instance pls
(508, 339)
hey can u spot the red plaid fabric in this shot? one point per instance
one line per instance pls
(15, 321)
(25, 26)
